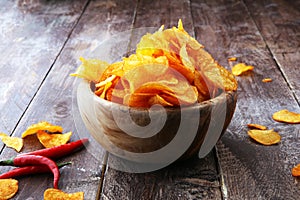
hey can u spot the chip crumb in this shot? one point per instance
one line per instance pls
(232, 59)
(296, 170)
(266, 80)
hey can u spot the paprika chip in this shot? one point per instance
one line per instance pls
(45, 126)
(56, 194)
(49, 140)
(287, 116)
(256, 126)
(13, 142)
(240, 68)
(265, 137)
(8, 188)
(296, 170)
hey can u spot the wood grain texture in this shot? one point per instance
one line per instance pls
(279, 24)
(227, 29)
(32, 33)
(53, 103)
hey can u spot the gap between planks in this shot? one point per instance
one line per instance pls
(277, 63)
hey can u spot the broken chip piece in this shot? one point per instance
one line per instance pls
(256, 126)
(266, 80)
(296, 170)
(54, 194)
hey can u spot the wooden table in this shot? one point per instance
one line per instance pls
(41, 42)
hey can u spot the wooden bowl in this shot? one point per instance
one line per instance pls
(157, 134)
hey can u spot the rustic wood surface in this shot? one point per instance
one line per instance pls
(41, 42)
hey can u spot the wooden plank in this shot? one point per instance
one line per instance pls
(31, 36)
(278, 22)
(249, 170)
(53, 103)
(193, 179)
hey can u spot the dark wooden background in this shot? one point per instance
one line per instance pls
(41, 41)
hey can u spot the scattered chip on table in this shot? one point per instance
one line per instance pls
(257, 126)
(44, 126)
(8, 188)
(287, 116)
(49, 140)
(240, 68)
(266, 80)
(265, 137)
(232, 59)
(13, 142)
(296, 170)
(55, 194)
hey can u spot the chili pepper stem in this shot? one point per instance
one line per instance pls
(9, 162)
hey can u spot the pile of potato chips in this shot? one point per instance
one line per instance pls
(169, 68)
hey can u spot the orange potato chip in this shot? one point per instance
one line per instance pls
(49, 140)
(240, 68)
(45, 126)
(8, 188)
(265, 137)
(296, 170)
(232, 59)
(266, 80)
(287, 116)
(257, 126)
(13, 142)
(56, 194)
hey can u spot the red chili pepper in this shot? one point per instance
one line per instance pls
(28, 170)
(59, 151)
(26, 160)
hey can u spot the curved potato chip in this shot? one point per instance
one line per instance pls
(49, 140)
(56, 194)
(296, 170)
(13, 142)
(44, 126)
(257, 126)
(287, 116)
(240, 68)
(265, 137)
(90, 69)
(266, 80)
(8, 188)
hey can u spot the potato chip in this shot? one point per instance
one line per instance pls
(240, 68)
(45, 126)
(265, 137)
(56, 194)
(8, 188)
(13, 142)
(266, 80)
(170, 68)
(287, 116)
(232, 59)
(257, 126)
(296, 170)
(91, 69)
(49, 140)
